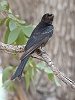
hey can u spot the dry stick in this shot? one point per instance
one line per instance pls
(45, 56)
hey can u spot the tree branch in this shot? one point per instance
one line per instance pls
(60, 75)
(11, 48)
(44, 56)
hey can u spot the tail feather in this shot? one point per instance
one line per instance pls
(20, 68)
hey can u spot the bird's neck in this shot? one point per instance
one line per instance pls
(43, 24)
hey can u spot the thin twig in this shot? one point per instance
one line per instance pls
(2, 15)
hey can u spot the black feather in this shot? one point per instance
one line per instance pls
(38, 38)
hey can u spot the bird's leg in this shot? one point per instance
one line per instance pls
(38, 51)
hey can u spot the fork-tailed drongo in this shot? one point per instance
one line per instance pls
(38, 38)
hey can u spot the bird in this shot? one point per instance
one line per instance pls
(39, 37)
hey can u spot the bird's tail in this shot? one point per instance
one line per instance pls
(20, 68)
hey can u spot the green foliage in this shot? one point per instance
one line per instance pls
(3, 3)
(27, 78)
(56, 81)
(2, 22)
(27, 30)
(6, 73)
(12, 25)
(12, 16)
(6, 35)
(30, 71)
(7, 84)
(41, 65)
(7, 21)
(48, 70)
(51, 76)
(21, 40)
(13, 35)
(17, 33)
(21, 21)
(2, 8)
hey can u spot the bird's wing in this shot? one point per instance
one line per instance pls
(36, 40)
(38, 36)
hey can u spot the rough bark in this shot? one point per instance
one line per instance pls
(61, 47)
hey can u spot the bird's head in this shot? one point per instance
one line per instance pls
(48, 18)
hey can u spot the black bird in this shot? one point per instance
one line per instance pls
(38, 38)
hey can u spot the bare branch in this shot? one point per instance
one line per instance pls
(60, 75)
(45, 57)
(11, 48)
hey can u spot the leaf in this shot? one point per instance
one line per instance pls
(12, 25)
(2, 8)
(41, 65)
(12, 16)
(27, 30)
(7, 22)
(51, 76)
(13, 35)
(33, 83)
(4, 3)
(11, 89)
(29, 72)
(34, 68)
(17, 16)
(10, 10)
(27, 78)
(6, 35)
(48, 70)
(2, 22)
(56, 81)
(7, 84)
(21, 40)
(21, 21)
(6, 73)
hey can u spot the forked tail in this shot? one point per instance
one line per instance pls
(20, 68)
